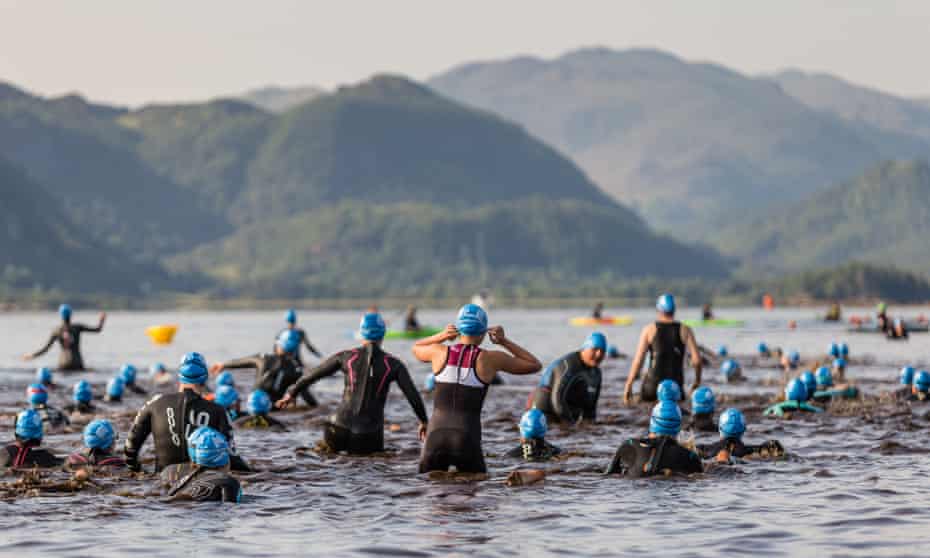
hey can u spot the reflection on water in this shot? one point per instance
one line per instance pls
(855, 484)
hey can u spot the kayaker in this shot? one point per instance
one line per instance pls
(411, 324)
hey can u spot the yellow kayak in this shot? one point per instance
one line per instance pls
(588, 321)
(161, 334)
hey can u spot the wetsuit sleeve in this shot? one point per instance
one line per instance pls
(309, 345)
(327, 368)
(590, 411)
(97, 329)
(140, 430)
(255, 361)
(45, 458)
(48, 345)
(406, 385)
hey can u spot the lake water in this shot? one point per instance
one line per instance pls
(856, 482)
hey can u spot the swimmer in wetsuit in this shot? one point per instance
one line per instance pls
(570, 387)
(666, 341)
(171, 417)
(45, 377)
(732, 426)
(463, 372)
(790, 362)
(707, 313)
(25, 450)
(533, 445)
(99, 439)
(357, 427)
(275, 373)
(703, 404)
(128, 374)
(228, 398)
(920, 390)
(259, 405)
(291, 318)
(825, 390)
(796, 400)
(114, 390)
(731, 372)
(68, 336)
(82, 396)
(659, 453)
(206, 477)
(37, 397)
(411, 323)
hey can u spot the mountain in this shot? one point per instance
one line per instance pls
(280, 99)
(689, 144)
(881, 217)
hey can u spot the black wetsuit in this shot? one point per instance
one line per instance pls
(68, 335)
(454, 434)
(737, 448)
(646, 457)
(535, 449)
(667, 359)
(27, 454)
(259, 421)
(170, 419)
(274, 374)
(94, 458)
(133, 387)
(882, 320)
(358, 424)
(52, 416)
(411, 323)
(568, 389)
(703, 422)
(80, 408)
(191, 482)
(305, 341)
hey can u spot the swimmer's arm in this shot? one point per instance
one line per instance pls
(43, 350)
(519, 362)
(327, 368)
(637, 364)
(256, 361)
(431, 349)
(309, 345)
(141, 428)
(100, 322)
(406, 385)
(696, 361)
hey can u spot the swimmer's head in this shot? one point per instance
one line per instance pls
(288, 342)
(28, 425)
(594, 349)
(259, 403)
(703, 401)
(226, 396)
(669, 390)
(115, 387)
(533, 425)
(208, 448)
(731, 424)
(44, 375)
(730, 370)
(825, 377)
(796, 391)
(82, 392)
(907, 376)
(99, 434)
(193, 369)
(810, 381)
(225, 379)
(371, 327)
(472, 320)
(665, 419)
(665, 305)
(128, 374)
(64, 311)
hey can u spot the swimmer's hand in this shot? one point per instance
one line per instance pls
(216, 368)
(285, 401)
(627, 394)
(422, 432)
(27, 357)
(448, 334)
(496, 335)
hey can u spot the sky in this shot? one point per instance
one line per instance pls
(137, 52)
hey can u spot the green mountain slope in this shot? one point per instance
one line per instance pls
(280, 99)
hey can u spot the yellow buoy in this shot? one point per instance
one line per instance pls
(162, 334)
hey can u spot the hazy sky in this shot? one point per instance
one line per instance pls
(133, 52)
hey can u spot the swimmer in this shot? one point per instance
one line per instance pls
(45, 378)
(274, 372)
(114, 390)
(707, 313)
(898, 330)
(809, 380)
(731, 372)
(206, 478)
(906, 379)
(170, 417)
(666, 341)
(825, 390)
(570, 387)
(533, 445)
(722, 351)
(732, 426)
(68, 336)
(259, 405)
(703, 404)
(764, 351)
(844, 350)
(128, 374)
(463, 373)
(24, 451)
(37, 397)
(82, 396)
(291, 318)
(796, 399)
(920, 390)
(881, 317)
(598, 312)
(834, 313)
(160, 375)
(357, 427)
(99, 439)
(613, 352)
(228, 398)
(411, 323)
(659, 453)
(833, 351)
(225, 379)
(791, 361)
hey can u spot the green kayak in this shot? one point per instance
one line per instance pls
(714, 323)
(418, 334)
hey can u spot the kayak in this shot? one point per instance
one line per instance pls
(714, 323)
(162, 334)
(418, 334)
(586, 321)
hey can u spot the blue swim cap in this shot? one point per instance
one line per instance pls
(666, 304)
(83, 392)
(834, 350)
(36, 394)
(824, 377)
(225, 379)
(596, 340)
(290, 316)
(666, 419)
(922, 381)
(372, 327)
(99, 434)
(763, 348)
(731, 424)
(722, 351)
(259, 403)
(289, 341)
(128, 374)
(839, 363)
(533, 424)
(193, 369)
(226, 396)
(207, 447)
(29, 425)
(729, 369)
(794, 358)
(844, 350)
(429, 384)
(115, 387)
(472, 320)
(810, 381)
(65, 312)
(703, 400)
(907, 375)
(613, 351)
(796, 391)
(669, 390)
(44, 375)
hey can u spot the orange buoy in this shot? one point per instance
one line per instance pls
(162, 334)
(768, 302)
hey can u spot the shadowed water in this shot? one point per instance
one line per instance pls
(854, 484)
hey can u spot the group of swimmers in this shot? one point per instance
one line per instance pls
(193, 428)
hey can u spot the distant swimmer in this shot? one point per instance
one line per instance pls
(791, 361)
(160, 375)
(99, 439)
(37, 397)
(411, 323)
(658, 453)
(906, 381)
(666, 341)
(732, 426)
(82, 395)
(881, 317)
(115, 389)
(170, 418)
(68, 336)
(796, 400)
(291, 318)
(598, 312)
(45, 377)
(533, 445)
(920, 389)
(898, 330)
(206, 477)
(128, 374)
(834, 313)
(357, 427)
(463, 373)
(707, 312)
(703, 404)
(839, 369)
(826, 391)
(570, 387)
(259, 405)
(731, 372)
(274, 372)
(25, 450)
